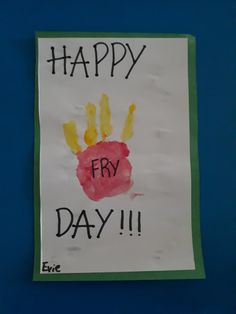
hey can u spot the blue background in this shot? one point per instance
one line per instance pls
(214, 25)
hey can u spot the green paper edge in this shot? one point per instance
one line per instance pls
(198, 272)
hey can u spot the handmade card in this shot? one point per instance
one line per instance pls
(116, 159)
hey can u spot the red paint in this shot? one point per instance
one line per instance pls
(133, 195)
(102, 185)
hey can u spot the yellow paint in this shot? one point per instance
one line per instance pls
(127, 131)
(71, 136)
(105, 117)
(91, 134)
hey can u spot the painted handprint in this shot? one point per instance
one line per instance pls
(104, 169)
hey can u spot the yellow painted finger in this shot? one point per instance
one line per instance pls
(71, 136)
(105, 117)
(91, 134)
(127, 131)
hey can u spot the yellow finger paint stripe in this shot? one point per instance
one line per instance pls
(71, 136)
(105, 117)
(127, 131)
(91, 134)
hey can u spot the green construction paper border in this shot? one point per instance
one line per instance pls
(198, 272)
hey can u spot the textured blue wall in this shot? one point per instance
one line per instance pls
(214, 25)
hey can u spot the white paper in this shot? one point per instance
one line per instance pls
(159, 155)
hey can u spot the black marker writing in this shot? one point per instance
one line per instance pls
(54, 268)
(116, 61)
(59, 210)
(103, 220)
(67, 222)
(83, 62)
(86, 225)
(139, 222)
(91, 223)
(106, 58)
(98, 59)
(130, 222)
(106, 167)
(54, 59)
(133, 221)
(121, 221)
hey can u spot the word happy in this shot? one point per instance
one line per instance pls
(115, 53)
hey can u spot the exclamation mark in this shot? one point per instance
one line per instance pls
(139, 223)
(130, 222)
(122, 221)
